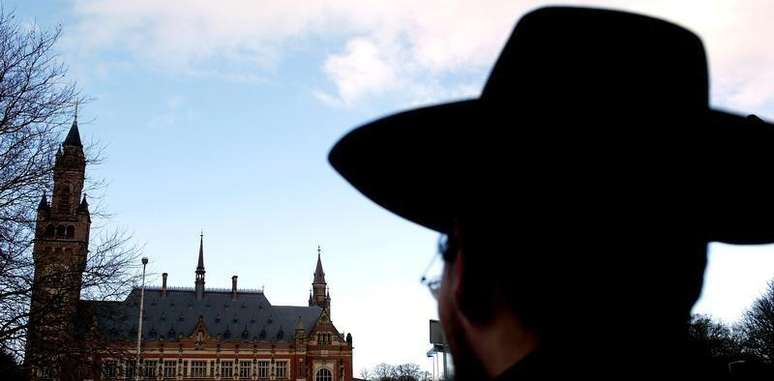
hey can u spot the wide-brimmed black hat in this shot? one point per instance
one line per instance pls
(587, 114)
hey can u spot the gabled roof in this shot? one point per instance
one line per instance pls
(249, 317)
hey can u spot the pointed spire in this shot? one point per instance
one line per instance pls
(73, 137)
(200, 265)
(84, 204)
(199, 284)
(319, 274)
(43, 202)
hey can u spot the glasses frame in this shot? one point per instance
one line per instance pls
(434, 284)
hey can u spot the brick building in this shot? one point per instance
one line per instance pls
(190, 333)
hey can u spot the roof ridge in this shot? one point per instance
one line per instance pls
(208, 289)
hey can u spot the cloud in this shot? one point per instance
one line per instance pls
(384, 48)
(362, 69)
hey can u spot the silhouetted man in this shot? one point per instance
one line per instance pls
(577, 196)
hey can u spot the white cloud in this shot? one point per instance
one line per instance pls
(360, 70)
(399, 45)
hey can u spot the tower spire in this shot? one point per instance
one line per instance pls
(199, 284)
(200, 265)
(319, 296)
(43, 202)
(74, 137)
(319, 274)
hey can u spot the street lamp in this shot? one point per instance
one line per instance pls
(139, 323)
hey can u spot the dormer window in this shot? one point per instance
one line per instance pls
(324, 338)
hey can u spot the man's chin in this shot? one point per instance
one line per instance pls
(467, 366)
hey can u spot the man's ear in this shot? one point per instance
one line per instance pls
(456, 283)
(457, 269)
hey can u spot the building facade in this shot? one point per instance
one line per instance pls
(188, 333)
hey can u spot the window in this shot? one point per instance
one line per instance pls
(263, 369)
(131, 368)
(109, 369)
(70, 232)
(324, 338)
(226, 369)
(281, 369)
(323, 375)
(149, 369)
(212, 368)
(185, 368)
(244, 369)
(198, 368)
(170, 366)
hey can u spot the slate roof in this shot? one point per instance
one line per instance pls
(249, 317)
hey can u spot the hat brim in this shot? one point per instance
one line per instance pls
(402, 161)
(410, 163)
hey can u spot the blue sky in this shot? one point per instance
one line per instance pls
(218, 115)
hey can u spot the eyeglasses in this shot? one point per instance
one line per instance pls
(431, 277)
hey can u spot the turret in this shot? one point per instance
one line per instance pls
(300, 335)
(320, 296)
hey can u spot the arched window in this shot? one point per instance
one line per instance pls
(70, 231)
(323, 375)
(60, 231)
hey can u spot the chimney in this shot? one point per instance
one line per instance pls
(164, 284)
(234, 287)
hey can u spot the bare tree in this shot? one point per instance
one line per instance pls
(383, 372)
(408, 372)
(365, 374)
(36, 106)
(402, 372)
(757, 326)
(716, 339)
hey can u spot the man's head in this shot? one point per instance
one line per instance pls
(575, 191)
